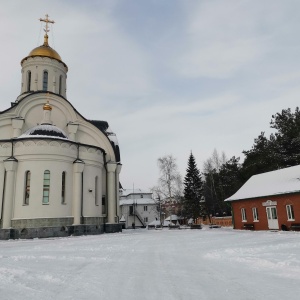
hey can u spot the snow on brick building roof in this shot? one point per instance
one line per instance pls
(283, 181)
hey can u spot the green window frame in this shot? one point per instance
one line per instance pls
(46, 187)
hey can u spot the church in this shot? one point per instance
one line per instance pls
(59, 172)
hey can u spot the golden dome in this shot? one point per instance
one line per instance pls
(44, 50)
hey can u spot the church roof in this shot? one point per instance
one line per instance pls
(44, 130)
(45, 51)
(283, 181)
(104, 127)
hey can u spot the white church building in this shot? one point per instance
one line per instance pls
(59, 172)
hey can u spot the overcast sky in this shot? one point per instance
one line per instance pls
(169, 76)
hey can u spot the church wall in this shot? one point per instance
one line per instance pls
(87, 135)
(33, 116)
(5, 150)
(36, 208)
(37, 66)
(62, 114)
(94, 165)
(38, 155)
(6, 129)
(92, 195)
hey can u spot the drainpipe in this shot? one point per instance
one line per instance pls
(4, 183)
(78, 167)
(82, 219)
(118, 170)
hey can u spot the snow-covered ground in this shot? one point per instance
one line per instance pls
(154, 264)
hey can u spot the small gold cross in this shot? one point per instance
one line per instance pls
(46, 20)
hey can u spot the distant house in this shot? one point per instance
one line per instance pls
(137, 207)
(268, 201)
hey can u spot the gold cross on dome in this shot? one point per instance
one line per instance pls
(46, 20)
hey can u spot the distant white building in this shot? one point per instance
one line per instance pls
(137, 207)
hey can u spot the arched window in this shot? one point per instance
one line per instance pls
(96, 191)
(63, 188)
(28, 81)
(60, 83)
(46, 187)
(45, 81)
(27, 187)
(103, 204)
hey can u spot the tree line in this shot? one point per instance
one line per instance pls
(203, 193)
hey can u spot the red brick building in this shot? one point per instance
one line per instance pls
(268, 201)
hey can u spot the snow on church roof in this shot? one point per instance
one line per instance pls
(283, 181)
(112, 137)
(44, 130)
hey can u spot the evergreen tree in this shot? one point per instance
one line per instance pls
(220, 184)
(280, 150)
(192, 206)
(261, 158)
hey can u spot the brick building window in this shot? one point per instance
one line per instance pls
(290, 212)
(243, 212)
(145, 208)
(255, 214)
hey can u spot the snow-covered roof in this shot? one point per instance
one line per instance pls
(155, 222)
(112, 136)
(283, 181)
(44, 130)
(174, 218)
(126, 192)
(104, 127)
(141, 201)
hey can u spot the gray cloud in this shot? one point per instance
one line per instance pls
(170, 76)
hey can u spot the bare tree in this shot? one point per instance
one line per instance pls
(170, 182)
(169, 190)
(214, 191)
(218, 160)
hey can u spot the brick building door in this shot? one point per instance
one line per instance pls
(272, 217)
